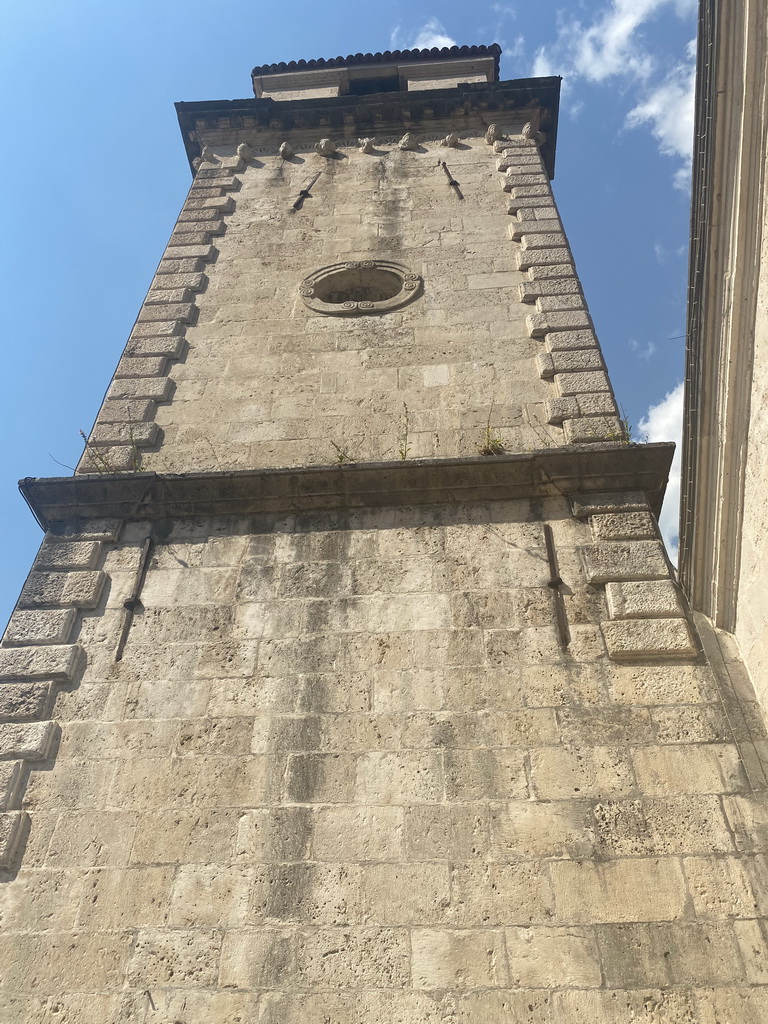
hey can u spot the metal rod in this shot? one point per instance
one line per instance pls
(304, 193)
(451, 180)
(555, 584)
(130, 603)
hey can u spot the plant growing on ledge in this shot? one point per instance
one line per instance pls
(492, 442)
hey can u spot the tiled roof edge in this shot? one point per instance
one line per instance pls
(388, 56)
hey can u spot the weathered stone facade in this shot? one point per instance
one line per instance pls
(351, 683)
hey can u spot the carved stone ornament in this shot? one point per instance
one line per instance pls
(196, 163)
(530, 131)
(244, 151)
(285, 151)
(493, 134)
(208, 156)
(366, 145)
(325, 147)
(408, 141)
(360, 287)
(451, 140)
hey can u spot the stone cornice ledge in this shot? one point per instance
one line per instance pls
(548, 473)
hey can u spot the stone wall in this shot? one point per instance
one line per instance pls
(228, 368)
(345, 770)
(752, 600)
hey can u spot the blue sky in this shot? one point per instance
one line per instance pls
(94, 174)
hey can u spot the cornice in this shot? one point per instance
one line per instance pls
(554, 472)
(379, 113)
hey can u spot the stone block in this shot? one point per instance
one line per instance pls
(139, 435)
(532, 291)
(30, 741)
(60, 662)
(577, 361)
(87, 529)
(527, 193)
(543, 240)
(727, 886)
(559, 409)
(46, 626)
(224, 204)
(164, 329)
(581, 383)
(553, 272)
(498, 280)
(563, 341)
(650, 599)
(448, 831)
(216, 172)
(184, 312)
(526, 222)
(170, 267)
(12, 778)
(540, 324)
(126, 410)
(633, 889)
(357, 833)
(141, 366)
(170, 295)
(194, 282)
(566, 303)
(646, 638)
(552, 958)
(675, 953)
(634, 560)
(68, 554)
(499, 894)
(353, 957)
(13, 826)
(66, 589)
(580, 772)
(457, 959)
(204, 230)
(406, 894)
(545, 365)
(531, 191)
(212, 188)
(587, 430)
(171, 348)
(159, 389)
(519, 157)
(181, 956)
(697, 768)
(399, 778)
(22, 701)
(638, 525)
(207, 253)
(180, 237)
(192, 215)
(661, 826)
(542, 257)
(608, 503)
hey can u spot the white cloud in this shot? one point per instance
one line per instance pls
(431, 34)
(668, 111)
(613, 48)
(664, 422)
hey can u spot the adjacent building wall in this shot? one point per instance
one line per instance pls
(725, 481)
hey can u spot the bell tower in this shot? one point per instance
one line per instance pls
(352, 682)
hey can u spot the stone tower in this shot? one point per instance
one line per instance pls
(351, 685)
